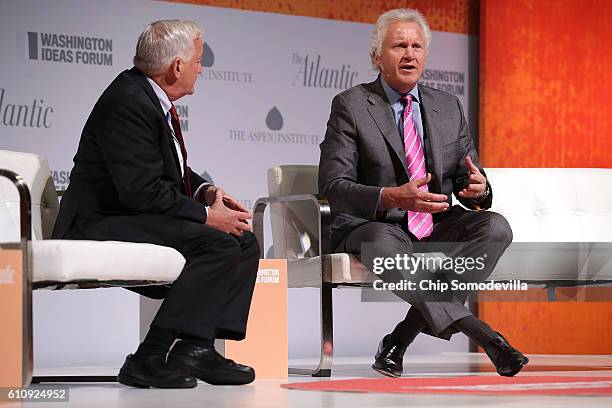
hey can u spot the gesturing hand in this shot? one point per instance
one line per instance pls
(409, 197)
(231, 218)
(477, 183)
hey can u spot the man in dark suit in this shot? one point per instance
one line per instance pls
(131, 182)
(393, 154)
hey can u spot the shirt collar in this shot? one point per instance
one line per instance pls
(393, 96)
(161, 95)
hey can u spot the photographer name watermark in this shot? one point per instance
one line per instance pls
(440, 286)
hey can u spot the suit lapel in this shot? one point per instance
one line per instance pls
(381, 112)
(430, 114)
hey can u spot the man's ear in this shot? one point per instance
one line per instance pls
(376, 59)
(176, 67)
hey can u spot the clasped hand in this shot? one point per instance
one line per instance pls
(225, 213)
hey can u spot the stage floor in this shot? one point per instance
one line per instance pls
(267, 393)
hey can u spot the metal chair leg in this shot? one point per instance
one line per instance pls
(327, 337)
(327, 321)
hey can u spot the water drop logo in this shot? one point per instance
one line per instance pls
(274, 119)
(208, 57)
(223, 73)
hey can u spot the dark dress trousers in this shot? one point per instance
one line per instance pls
(126, 185)
(363, 151)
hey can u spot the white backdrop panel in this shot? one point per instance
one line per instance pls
(263, 100)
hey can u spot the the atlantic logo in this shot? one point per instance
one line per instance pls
(274, 121)
(33, 115)
(6, 275)
(183, 113)
(448, 81)
(209, 74)
(68, 48)
(313, 74)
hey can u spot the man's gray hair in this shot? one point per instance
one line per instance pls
(393, 16)
(164, 40)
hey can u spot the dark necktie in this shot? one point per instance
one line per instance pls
(176, 125)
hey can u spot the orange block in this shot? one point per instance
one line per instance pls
(11, 318)
(266, 345)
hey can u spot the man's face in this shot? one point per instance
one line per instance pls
(190, 68)
(402, 55)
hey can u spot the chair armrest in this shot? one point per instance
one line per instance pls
(25, 226)
(25, 203)
(323, 212)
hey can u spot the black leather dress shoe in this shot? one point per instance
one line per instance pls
(507, 360)
(152, 372)
(208, 365)
(389, 358)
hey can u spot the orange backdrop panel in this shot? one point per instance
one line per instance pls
(546, 101)
(546, 88)
(456, 16)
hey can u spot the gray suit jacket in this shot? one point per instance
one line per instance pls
(363, 151)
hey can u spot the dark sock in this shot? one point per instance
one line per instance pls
(406, 330)
(477, 330)
(197, 341)
(156, 343)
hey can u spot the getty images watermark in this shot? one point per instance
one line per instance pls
(434, 271)
(437, 263)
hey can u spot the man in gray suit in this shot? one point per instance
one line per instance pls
(393, 154)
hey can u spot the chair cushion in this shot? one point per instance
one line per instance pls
(522, 265)
(558, 262)
(93, 261)
(346, 270)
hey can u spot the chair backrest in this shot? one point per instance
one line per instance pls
(294, 225)
(35, 171)
(541, 205)
(554, 204)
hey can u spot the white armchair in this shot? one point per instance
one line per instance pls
(567, 211)
(300, 221)
(63, 264)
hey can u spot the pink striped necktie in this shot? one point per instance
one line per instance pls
(420, 224)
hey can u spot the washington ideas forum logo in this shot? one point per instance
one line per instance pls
(448, 81)
(312, 73)
(6, 275)
(183, 114)
(274, 122)
(69, 48)
(210, 74)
